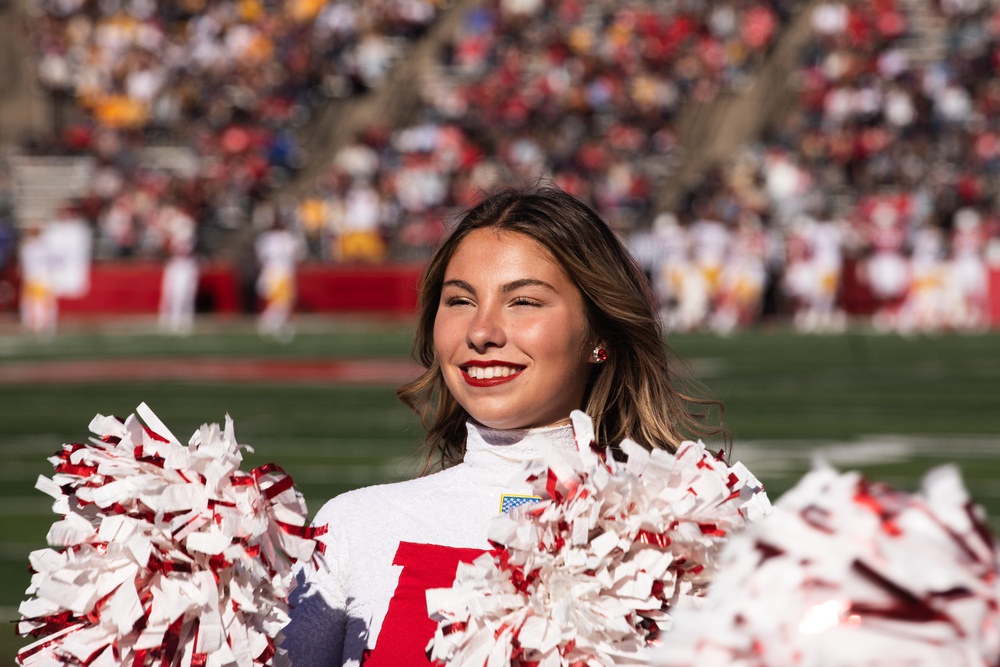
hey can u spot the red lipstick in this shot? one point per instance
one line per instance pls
(493, 381)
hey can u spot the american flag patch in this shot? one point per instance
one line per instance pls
(509, 501)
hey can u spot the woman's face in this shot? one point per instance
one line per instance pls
(511, 333)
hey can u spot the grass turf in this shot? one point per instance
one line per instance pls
(914, 402)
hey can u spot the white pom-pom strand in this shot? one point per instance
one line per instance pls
(845, 573)
(165, 553)
(592, 574)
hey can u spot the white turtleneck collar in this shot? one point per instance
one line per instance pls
(484, 446)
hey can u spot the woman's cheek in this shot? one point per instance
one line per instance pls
(446, 328)
(532, 336)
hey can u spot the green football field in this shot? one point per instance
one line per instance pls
(893, 407)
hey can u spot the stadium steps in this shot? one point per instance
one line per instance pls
(709, 133)
(41, 184)
(393, 104)
(25, 111)
(927, 40)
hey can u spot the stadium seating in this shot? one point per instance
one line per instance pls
(224, 108)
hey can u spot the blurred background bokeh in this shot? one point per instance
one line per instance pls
(224, 206)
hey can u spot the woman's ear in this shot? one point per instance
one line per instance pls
(599, 354)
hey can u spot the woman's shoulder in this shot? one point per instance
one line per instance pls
(377, 499)
(451, 507)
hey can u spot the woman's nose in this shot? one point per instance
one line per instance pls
(486, 330)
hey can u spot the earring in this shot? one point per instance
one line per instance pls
(599, 355)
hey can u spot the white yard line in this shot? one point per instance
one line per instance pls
(784, 455)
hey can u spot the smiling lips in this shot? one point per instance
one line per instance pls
(489, 373)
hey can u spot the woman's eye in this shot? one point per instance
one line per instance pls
(523, 301)
(456, 301)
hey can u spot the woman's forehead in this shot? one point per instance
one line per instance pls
(493, 250)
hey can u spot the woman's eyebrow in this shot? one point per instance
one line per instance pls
(460, 284)
(515, 285)
(512, 286)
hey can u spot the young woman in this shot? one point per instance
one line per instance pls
(530, 309)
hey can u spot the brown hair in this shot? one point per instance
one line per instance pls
(634, 394)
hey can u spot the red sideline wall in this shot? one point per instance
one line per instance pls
(134, 289)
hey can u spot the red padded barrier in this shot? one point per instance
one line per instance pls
(133, 288)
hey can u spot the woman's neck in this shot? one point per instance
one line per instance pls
(515, 445)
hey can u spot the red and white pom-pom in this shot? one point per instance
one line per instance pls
(845, 573)
(590, 575)
(166, 554)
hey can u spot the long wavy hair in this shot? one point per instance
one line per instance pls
(638, 393)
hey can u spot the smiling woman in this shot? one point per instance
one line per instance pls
(511, 334)
(632, 384)
(532, 308)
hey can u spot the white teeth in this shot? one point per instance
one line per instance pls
(490, 372)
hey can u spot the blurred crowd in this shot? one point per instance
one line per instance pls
(882, 176)
(891, 161)
(716, 272)
(584, 94)
(879, 171)
(231, 82)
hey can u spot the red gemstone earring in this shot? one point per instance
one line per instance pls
(599, 355)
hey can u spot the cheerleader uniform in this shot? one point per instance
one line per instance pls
(388, 544)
